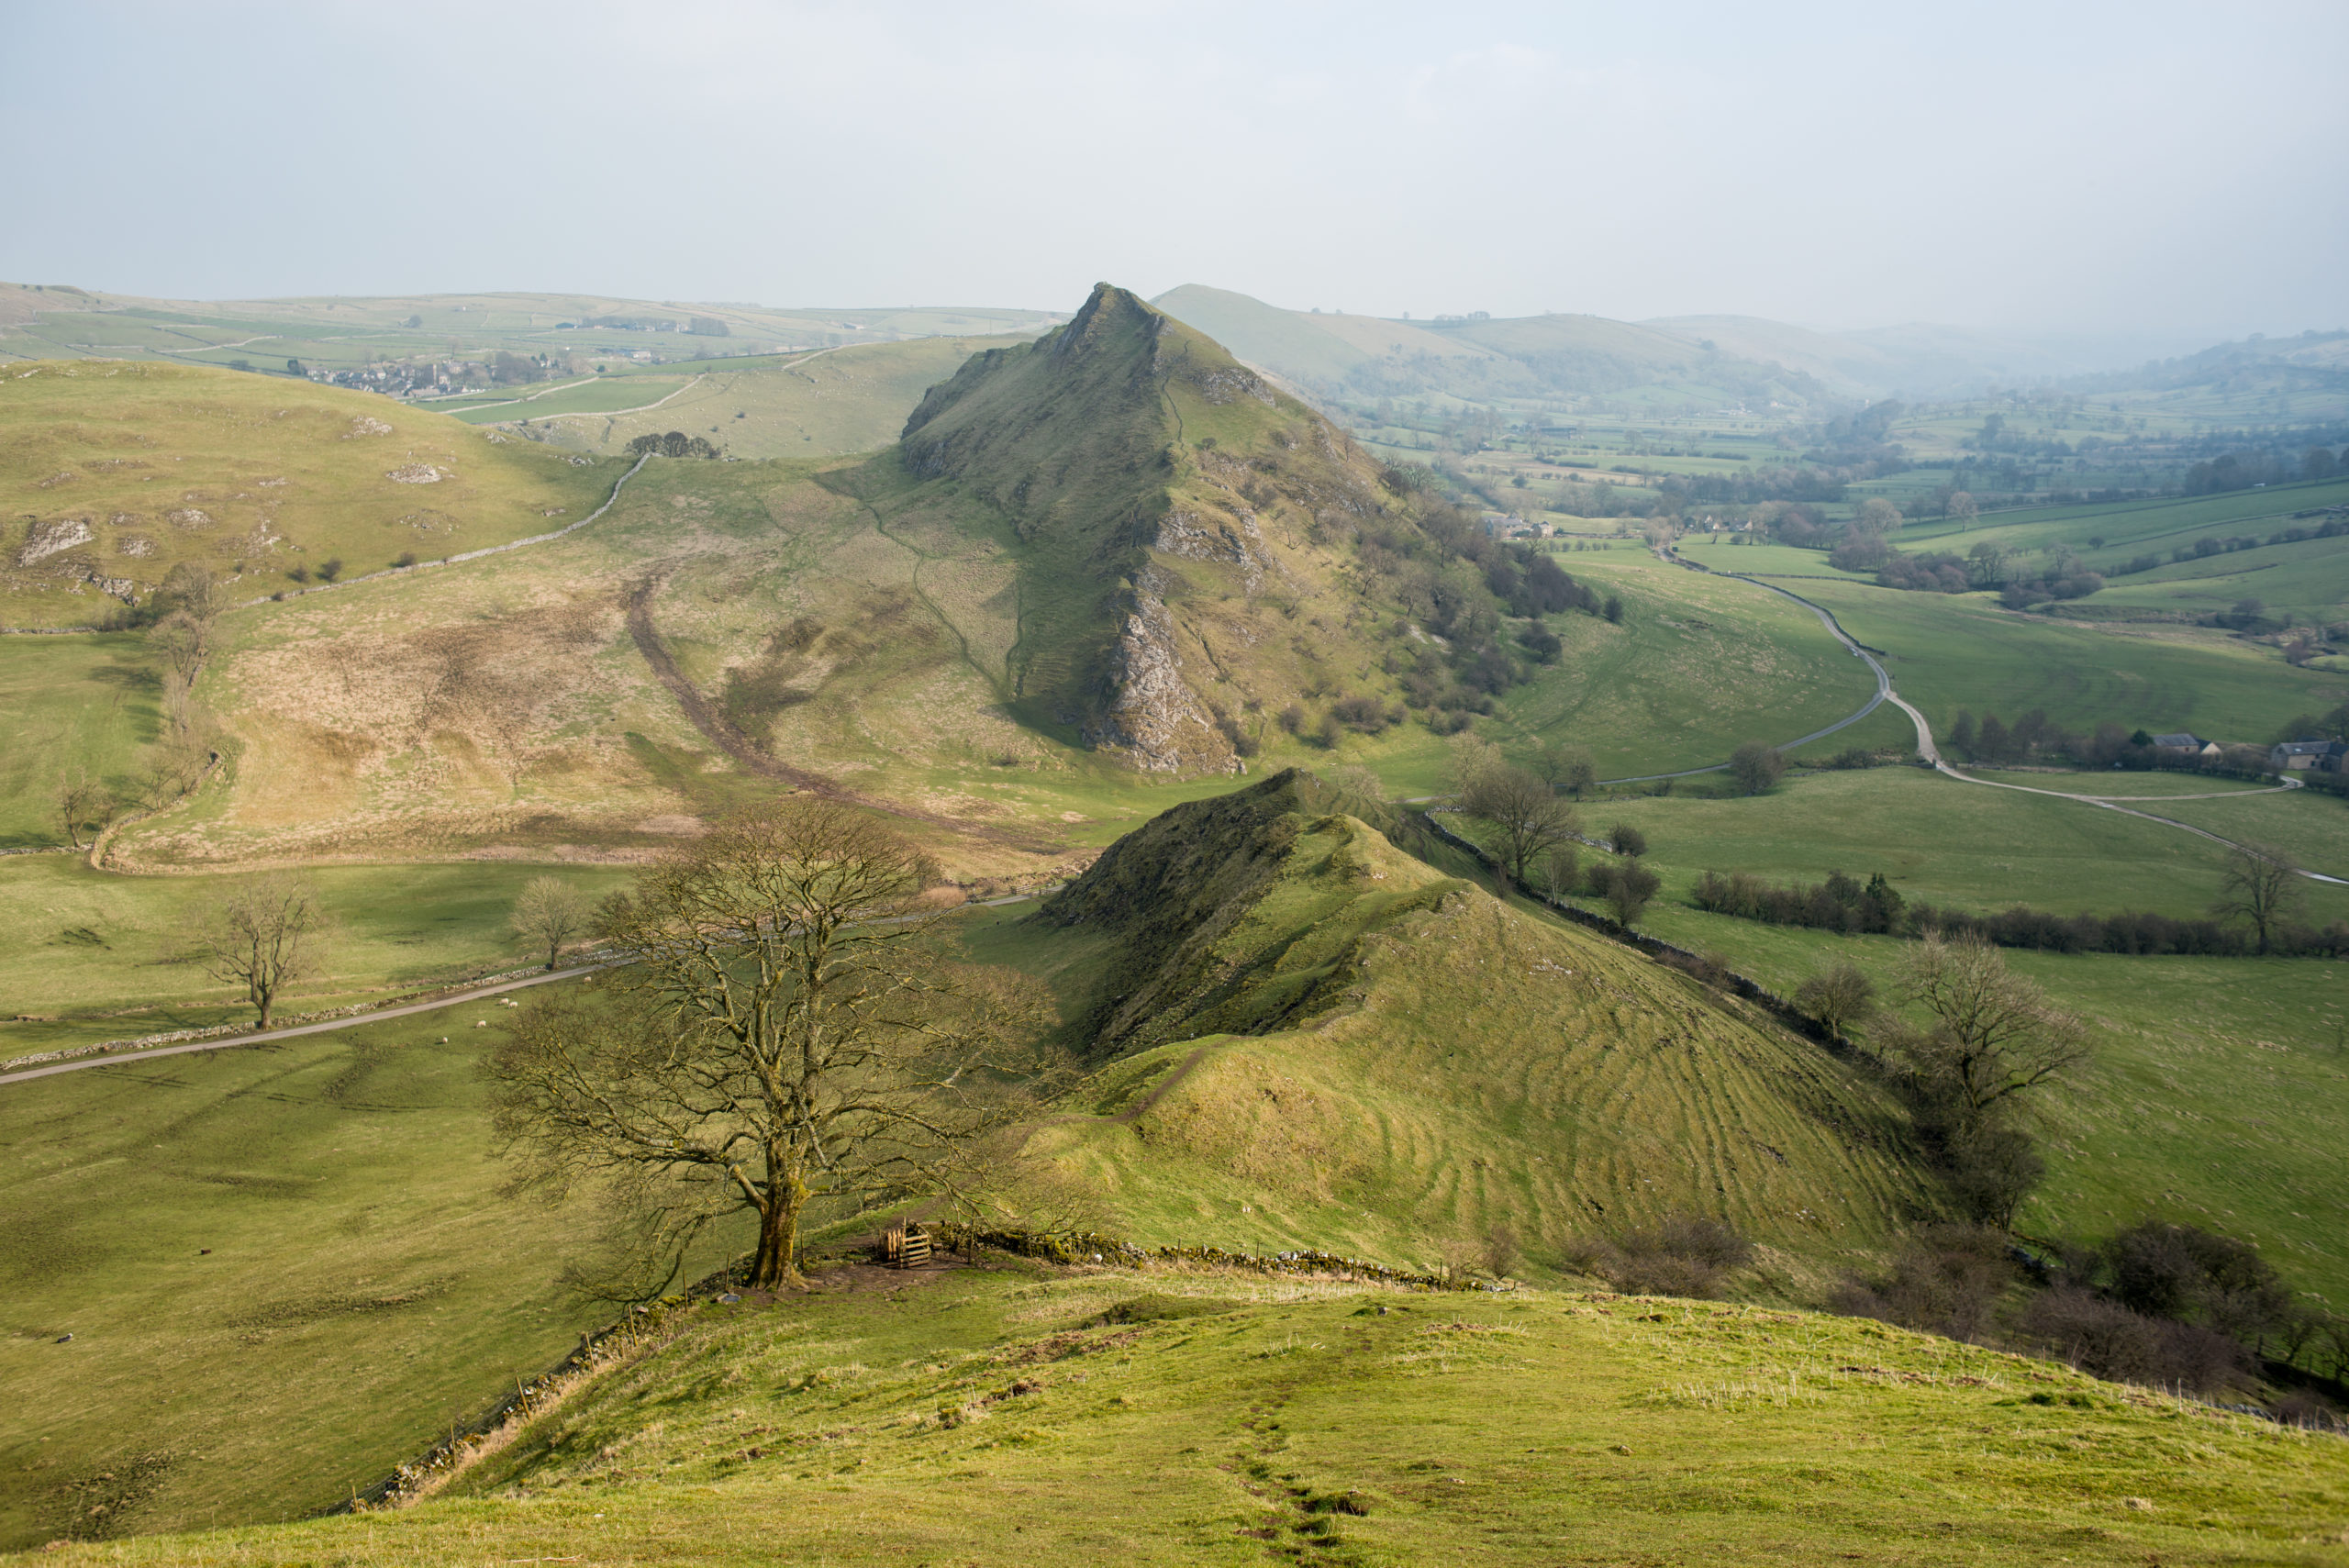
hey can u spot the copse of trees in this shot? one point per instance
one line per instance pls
(1844, 905)
(1755, 766)
(675, 443)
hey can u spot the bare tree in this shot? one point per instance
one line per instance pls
(1561, 870)
(787, 1032)
(1528, 817)
(79, 798)
(264, 935)
(1755, 766)
(549, 912)
(1837, 997)
(1994, 1036)
(2262, 885)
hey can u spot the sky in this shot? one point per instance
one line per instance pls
(2151, 169)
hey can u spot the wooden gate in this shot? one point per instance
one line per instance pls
(905, 1245)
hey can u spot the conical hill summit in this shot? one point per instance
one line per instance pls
(1199, 550)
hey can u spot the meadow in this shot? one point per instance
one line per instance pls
(92, 703)
(87, 955)
(1948, 654)
(1003, 1413)
(284, 1269)
(1698, 666)
(1944, 841)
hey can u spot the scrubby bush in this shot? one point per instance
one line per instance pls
(1684, 1255)
(1947, 1281)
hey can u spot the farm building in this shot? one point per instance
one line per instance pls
(2318, 756)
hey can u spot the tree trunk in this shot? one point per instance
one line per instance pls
(776, 1267)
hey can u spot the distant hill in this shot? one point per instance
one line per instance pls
(40, 322)
(1694, 360)
(114, 474)
(1530, 357)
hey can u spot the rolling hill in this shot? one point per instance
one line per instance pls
(337, 334)
(117, 472)
(1541, 357)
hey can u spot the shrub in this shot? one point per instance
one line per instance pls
(1291, 720)
(330, 568)
(1947, 1281)
(1627, 840)
(298, 572)
(404, 558)
(1683, 1255)
(2106, 1339)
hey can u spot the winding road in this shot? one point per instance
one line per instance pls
(1932, 753)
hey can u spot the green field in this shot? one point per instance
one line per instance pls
(1945, 841)
(992, 1415)
(1698, 666)
(603, 395)
(852, 399)
(2218, 1092)
(284, 1269)
(1950, 653)
(92, 956)
(92, 703)
(2121, 784)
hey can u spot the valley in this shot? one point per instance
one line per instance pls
(1157, 668)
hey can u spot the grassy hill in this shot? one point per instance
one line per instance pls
(992, 1413)
(1326, 1043)
(117, 471)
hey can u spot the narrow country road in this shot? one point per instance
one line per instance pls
(1932, 753)
(434, 1004)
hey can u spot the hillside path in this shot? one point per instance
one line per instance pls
(1932, 753)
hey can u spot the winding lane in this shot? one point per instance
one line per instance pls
(1932, 753)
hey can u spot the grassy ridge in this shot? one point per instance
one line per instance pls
(1419, 1066)
(990, 1414)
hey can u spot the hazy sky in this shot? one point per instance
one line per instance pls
(2132, 167)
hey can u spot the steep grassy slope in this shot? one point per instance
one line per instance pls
(992, 1415)
(115, 473)
(1185, 533)
(1333, 1044)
